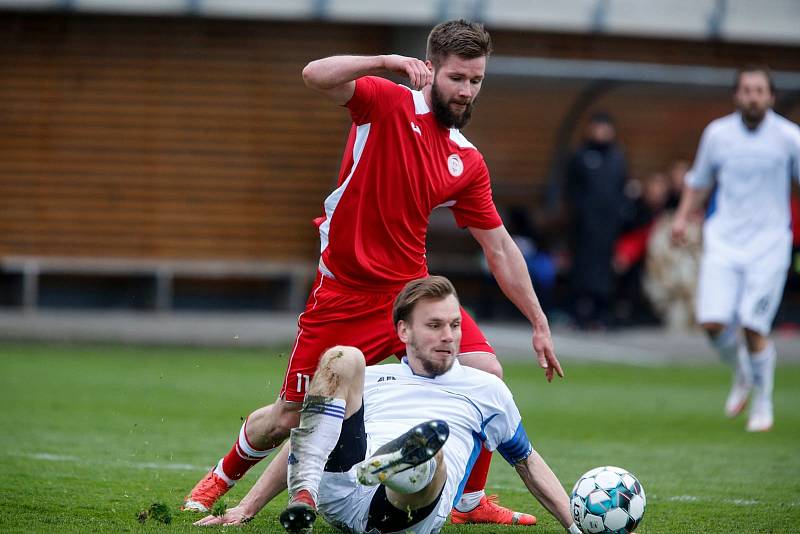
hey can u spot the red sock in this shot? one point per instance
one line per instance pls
(241, 457)
(479, 473)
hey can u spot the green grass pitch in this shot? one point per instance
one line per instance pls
(92, 435)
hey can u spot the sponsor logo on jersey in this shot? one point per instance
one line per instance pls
(416, 129)
(384, 378)
(455, 165)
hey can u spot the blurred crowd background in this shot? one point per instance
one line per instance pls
(165, 155)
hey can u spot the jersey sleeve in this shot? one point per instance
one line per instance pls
(795, 151)
(474, 206)
(503, 431)
(374, 97)
(701, 175)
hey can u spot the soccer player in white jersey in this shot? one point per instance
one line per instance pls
(747, 159)
(347, 462)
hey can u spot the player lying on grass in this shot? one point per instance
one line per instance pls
(347, 462)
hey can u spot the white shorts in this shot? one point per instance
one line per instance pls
(747, 293)
(344, 503)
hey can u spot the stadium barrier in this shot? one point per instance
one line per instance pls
(297, 275)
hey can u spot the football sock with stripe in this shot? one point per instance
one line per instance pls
(312, 442)
(242, 456)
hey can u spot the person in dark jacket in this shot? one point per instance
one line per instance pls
(596, 179)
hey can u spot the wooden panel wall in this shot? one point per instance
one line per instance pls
(193, 138)
(165, 138)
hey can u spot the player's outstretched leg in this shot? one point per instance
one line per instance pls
(405, 452)
(333, 395)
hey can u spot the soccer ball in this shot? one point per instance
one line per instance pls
(607, 500)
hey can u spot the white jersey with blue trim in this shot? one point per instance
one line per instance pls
(749, 214)
(478, 407)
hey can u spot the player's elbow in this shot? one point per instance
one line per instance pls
(312, 75)
(308, 74)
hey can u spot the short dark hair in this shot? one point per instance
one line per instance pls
(460, 37)
(601, 117)
(433, 287)
(763, 69)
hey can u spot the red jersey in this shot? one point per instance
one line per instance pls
(399, 164)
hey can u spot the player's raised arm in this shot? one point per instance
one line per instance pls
(508, 267)
(543, 484)
(335, 76)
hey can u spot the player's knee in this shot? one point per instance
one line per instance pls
(756, 341)
(713, 329)
(286, 417)
(270, 425)
(342, 361)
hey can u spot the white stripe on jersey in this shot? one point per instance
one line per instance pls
(362, 133)
(458, 138)
(420, 106)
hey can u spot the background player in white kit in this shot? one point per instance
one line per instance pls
(748, 159)
(347, 459)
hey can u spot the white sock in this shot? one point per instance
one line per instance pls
(727, 344)
(221, 473)
(414, 479)
(312, 442)
(469, 501)
(744, 366)
(764, 369)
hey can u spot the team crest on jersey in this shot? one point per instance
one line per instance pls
(455, 165)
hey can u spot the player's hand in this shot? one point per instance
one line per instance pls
(545, 353)
(414, 69)
(678, 231)
(232, 516)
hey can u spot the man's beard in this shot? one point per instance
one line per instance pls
(753, 115)
(445, 115)
(432, 367)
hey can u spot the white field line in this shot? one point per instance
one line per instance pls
(652, 498)
(136, 465)
(511, 489)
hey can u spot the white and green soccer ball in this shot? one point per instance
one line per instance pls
(607, 500)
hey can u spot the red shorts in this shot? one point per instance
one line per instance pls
(339, 315)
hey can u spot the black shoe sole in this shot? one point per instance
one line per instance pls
(415, 447)
(298, 518)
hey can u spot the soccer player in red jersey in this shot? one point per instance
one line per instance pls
(404, 157)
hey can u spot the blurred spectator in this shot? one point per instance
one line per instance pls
(595, 192)
(630, 306)
(677, 173)
(670, 272)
